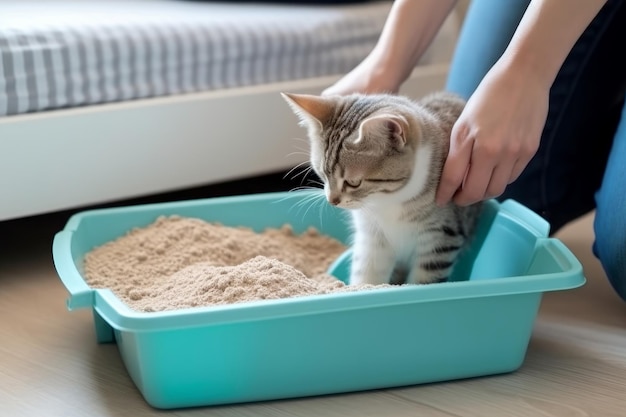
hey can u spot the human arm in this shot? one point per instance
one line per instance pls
(409, 29)
(500, 129)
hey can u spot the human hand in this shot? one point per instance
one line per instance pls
(369, 77)
(495, 137)
(409, 30)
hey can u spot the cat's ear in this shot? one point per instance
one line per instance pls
(309, 107)
(391, 128)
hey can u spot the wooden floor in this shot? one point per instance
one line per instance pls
(50, 364)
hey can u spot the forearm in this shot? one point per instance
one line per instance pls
(546, 34)
(409, 30)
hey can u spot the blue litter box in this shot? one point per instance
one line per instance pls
(479, 324)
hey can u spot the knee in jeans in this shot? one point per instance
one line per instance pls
(610, 248)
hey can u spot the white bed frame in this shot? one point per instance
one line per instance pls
(91, 155)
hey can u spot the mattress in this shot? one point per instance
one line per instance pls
(61, 54)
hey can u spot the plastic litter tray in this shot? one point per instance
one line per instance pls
(479, 324)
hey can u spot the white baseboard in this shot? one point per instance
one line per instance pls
(70, 158)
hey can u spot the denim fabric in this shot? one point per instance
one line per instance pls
(569, 176)
(610, 219)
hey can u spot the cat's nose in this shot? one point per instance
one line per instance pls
(334, 200)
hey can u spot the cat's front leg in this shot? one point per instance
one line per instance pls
(373, 261)
(435, 259)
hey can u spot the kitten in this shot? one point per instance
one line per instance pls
(381, 157)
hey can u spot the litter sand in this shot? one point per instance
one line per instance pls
(181, 262)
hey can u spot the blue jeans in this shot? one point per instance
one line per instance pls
(581, 162)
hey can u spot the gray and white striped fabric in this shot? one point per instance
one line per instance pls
(59, 54)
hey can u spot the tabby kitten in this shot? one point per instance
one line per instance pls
(381, 157)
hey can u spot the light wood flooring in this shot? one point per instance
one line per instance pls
(50, 364)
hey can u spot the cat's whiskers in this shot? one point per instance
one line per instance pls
(306, 150)
(304, 140)
(295, 193)
(400, 146)
(315, 196)
(305, 188)
(299, 151)
(303, 172)
(307, 196)
(315, 182)
(322, 202)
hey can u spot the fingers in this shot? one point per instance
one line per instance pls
(476, 183)
(498, 182)
(456, 166)
(521, 164)
(477, 169)
(484, 179)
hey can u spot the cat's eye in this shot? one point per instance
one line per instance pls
(353, 183)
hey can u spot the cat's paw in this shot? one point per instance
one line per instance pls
(368, 278)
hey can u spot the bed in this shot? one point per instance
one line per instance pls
(103, 100)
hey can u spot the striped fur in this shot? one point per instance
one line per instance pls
(381, 157)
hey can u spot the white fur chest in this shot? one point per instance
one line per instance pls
(402, 236)
(382, 214)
